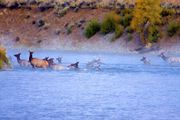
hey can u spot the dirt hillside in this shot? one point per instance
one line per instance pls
(32, 28)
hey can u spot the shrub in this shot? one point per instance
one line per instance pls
(153, 34)
(61, 11)
(3, 58)
(126, 11)
(92, 28)
(129, 29)
(109, 22)
(173, 28)
(69, 30)
(126, 20)
(107, 26)
(73, 4)
(167, 12)
(118, 31)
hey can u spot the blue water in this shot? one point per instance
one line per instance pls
(124, 89)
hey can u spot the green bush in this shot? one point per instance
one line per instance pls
(92, 28)
(107, 26)
(69, 30)
(153, 38)
(126, 20)
(73, 4)
(109, 22)
(61, 11)
(3, 58)
(118, 31)
(126, 11)
(153, 34)
(173, 28)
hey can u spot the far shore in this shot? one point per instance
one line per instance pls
(22, 28)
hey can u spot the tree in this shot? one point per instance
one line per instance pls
(146, 13)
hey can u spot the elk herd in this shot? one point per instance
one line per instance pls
(168, 59)
(49, 63)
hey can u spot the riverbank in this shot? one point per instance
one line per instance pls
(32, 28)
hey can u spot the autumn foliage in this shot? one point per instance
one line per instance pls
(3, 58)
(147, 13)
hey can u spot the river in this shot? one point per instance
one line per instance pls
(124, 89)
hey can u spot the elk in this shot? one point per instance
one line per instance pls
(94, 64)
(38, 63)
(54, 66)
(22, 62)
(145, 61)
(74, 66)
(59, 59)
(169, 59)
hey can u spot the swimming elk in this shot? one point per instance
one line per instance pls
(22, 62)
(145, 61)
(54, 66)
(59, 59)
(74, 65)
(170, 59)
(94, 64)
(35, 62)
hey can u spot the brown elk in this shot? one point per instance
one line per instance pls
(39, 63)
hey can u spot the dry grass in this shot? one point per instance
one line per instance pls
(3, 58)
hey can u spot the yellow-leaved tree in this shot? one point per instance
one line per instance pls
(146, 13)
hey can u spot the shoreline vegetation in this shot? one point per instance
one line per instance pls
(4, 62)
(139, 25)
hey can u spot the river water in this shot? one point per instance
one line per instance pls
(124, 89)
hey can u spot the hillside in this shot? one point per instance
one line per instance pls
(31, 27)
